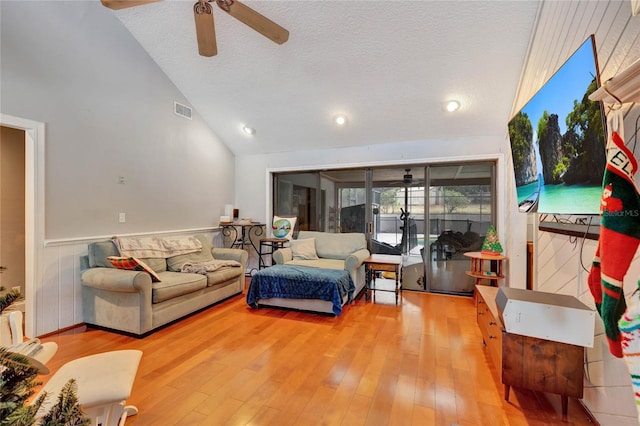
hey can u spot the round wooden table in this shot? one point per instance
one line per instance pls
(478, 270)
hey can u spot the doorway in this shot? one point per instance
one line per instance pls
(12, 209)
(34, 143)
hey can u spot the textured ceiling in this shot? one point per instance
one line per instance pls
(388, 65)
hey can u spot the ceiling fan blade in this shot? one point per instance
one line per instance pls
(123, 4)
(258, 22)
(205, 29)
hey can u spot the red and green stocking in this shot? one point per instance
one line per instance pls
(619, 238)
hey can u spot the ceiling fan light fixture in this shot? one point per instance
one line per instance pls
(341, 120)
(205, 27)
(452, 105)
(248, 130)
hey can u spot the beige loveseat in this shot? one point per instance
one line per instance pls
(128, 301)
(343, 251)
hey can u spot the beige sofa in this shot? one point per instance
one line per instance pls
(129, 302)
(343, 251)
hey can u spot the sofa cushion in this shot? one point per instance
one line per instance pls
(222, 275)
(335, 245)
(175, 263)
(158, 264)
(132, 264)
(99, 251)
(304, 249)
(174, 284)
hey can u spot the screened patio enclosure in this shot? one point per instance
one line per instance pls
(428, 214)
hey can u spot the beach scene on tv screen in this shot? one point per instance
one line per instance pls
(558, 142)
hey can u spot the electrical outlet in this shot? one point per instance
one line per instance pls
(122, 180)
(122, 217)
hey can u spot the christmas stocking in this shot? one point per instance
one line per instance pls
(595, 279)
(619, 238)
(630, 335)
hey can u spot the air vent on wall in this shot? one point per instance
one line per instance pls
(182, 110)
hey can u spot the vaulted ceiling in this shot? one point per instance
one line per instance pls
(388, 65)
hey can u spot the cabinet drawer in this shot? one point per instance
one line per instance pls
(490, 327)
(382, 267)
(483, 319)
(494, 345)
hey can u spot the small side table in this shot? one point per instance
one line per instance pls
(478, 270)
(244, 238)
(272, 244)
(382, 263)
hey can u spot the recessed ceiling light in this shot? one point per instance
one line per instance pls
(249, 130)
(452, 106)
(340, 119)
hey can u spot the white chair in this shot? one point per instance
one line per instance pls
(40, 353)
(104, 383)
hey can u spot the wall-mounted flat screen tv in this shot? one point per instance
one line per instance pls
(558, 141)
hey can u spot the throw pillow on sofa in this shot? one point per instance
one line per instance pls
(133, 264)
(304, 249)
(283, 227)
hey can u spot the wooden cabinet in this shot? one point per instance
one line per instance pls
(490, 327)
(529, 362)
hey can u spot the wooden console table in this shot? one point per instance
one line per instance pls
(529, 362)
(478, 270)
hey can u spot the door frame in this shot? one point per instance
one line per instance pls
(34, 210)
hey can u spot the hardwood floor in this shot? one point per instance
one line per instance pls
(419, 363)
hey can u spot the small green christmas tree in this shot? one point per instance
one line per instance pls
(491, 244)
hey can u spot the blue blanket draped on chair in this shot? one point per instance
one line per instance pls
(301, 282)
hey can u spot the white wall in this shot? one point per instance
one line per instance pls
(562, 261)
(108, 110)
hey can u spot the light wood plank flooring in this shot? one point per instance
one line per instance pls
(419, 363)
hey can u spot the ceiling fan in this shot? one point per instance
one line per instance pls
(408, 180)
(205, 29)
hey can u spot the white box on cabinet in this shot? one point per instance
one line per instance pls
(551, 316)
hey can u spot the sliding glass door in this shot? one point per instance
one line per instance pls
(430, 215)
(461, 208)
